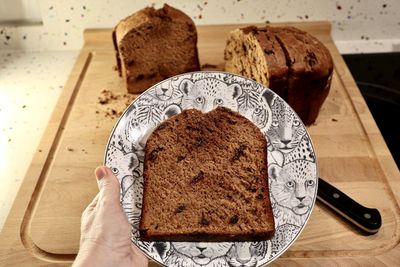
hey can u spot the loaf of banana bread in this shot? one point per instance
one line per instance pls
(154, 44)
(291, 62)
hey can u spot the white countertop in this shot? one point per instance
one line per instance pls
(31, 82)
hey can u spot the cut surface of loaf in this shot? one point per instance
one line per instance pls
(256, 53)
(205, 179)
(291, 62)
(154, 44)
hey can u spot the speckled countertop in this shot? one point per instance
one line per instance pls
(35, 60)
(30, 84)
(357, 25)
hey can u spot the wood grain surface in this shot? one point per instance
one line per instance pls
(42, 228)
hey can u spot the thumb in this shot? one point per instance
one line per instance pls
(108, 184)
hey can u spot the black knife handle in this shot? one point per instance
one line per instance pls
(368, 220)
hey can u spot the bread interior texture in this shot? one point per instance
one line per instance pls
(244, 55)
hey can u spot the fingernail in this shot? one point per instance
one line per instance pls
(100, 172)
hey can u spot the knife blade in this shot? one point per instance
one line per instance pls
(366, 219)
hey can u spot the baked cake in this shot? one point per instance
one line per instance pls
(154, 44)
(291, 62)
(205, 179)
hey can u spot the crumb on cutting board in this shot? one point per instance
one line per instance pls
(111, 105)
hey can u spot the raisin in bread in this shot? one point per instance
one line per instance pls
(205, 179)
(291, 62)
(152, 45)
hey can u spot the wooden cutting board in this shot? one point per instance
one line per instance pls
(43, 225)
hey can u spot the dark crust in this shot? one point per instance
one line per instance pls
(310, 68)
(250, 29)
(314, 57)
(257, 235)
(204, 237)
(274, 55)
(319, 62)
(117, 58)
(304, 81)
(296, 91)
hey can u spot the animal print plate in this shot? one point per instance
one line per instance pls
(291, 163)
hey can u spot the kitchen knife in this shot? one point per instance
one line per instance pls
(367, 219)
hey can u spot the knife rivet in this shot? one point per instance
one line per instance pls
(367, 216)
(336, 195)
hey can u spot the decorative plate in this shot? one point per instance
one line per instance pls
(291, 163)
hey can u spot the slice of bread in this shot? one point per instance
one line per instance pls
(294, 64)
(205, 179)
(154, 44)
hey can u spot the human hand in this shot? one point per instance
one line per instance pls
(105, 230)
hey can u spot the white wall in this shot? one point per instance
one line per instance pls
(20, 11)
(358, 25)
